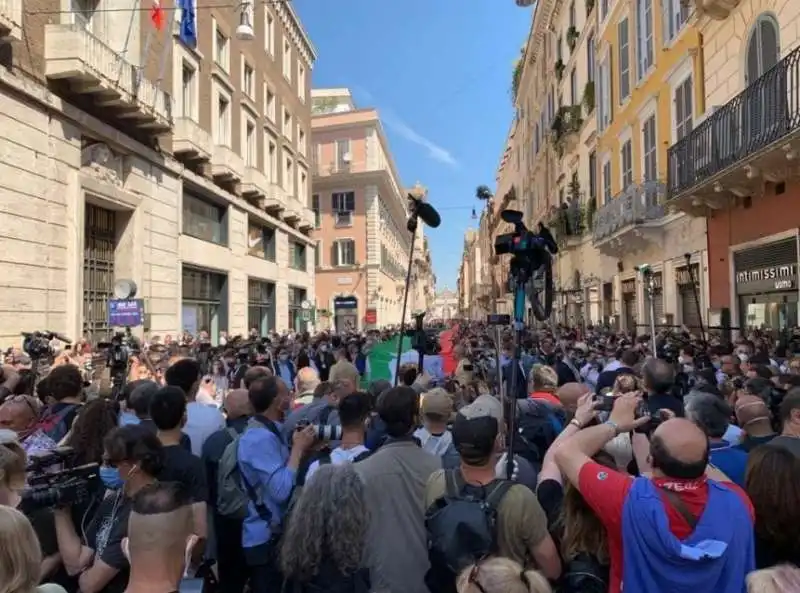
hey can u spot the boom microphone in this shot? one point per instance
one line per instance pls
(60, 337)
(425, 212)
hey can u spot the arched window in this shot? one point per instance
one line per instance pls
(763, 48)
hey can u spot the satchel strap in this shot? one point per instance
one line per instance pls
(677, 503)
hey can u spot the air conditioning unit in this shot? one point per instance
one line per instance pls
(346, 158)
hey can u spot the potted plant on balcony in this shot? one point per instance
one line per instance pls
(572, 38)
(589, 6)
(588, 97)
(560, 69)
(516, 77)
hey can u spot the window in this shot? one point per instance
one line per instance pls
(223, 127)
(573, 87)
(302, 186)
(261, 241)
(318, 255)
(82, 12)
(188, 80)
(248, 79)
(251, 144)
(260, 306)
(536, 138)
(644, 36)
(343, 154)
(592, 175)
(604, 95)
(203, 304)
(296, 298)
(297, 256)
(650, 152)
(343, 206)
(683, 109)
(204, 220)
(222, 50)
(607, 182)
(674, 17)
(271, 156)
(590, 61)
(287, 59)
(301, 141)
(572, 21)
(301, 82)
(603, 9)
(626, 158)
(317, 212)
(343, 253)
(624, 60)
(288, 174)
(763, 48)
(269, 34)
(287, 123)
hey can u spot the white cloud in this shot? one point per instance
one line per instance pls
(434, 151)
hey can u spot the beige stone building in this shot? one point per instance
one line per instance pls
(129, 152)
(361, 211)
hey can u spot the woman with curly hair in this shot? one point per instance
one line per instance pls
(324, 540)
(95, 420)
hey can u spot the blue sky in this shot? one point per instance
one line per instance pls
(439, 72)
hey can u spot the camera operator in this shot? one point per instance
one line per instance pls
(133, 459)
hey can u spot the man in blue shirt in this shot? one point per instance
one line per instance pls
(269, 468)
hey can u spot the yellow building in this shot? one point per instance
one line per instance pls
(648, 93)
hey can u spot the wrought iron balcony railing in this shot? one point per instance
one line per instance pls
(764, 113)
(636, 205)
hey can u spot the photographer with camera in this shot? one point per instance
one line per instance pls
(133, 458)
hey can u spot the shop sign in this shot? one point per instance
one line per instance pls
(371, 317)
(348, 302)
(768, 278)
(344, 280)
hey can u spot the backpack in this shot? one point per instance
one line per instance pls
(54, 424)
(234, 492)
(462, 528)
(537, 426)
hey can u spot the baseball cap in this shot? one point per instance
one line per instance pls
(437, 402)
(483, 406)
(476, 427)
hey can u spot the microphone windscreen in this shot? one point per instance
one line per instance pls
(428, 215)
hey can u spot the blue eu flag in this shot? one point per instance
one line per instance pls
(188, 30)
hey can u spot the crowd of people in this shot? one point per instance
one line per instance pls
(598, 462)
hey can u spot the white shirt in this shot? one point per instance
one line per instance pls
(338, 457)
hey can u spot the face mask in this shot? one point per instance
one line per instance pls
(717, 364)
(111, 478)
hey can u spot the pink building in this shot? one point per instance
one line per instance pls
(360, 213)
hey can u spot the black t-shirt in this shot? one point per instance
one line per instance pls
(551, 496)
(186, 469)
(186, 442)
(105, 534)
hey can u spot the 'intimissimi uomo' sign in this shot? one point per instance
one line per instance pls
(770, 273)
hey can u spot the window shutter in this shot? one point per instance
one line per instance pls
(334, 254)
(667, 20)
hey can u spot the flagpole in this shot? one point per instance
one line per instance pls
(128, 39)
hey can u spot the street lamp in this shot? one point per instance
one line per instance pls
(525, 3)
(245, 32)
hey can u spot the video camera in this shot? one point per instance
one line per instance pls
(119, 349)
(49, 485)
(37, 344)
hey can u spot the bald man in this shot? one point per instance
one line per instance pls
(160, 541)
(569, 394)
(305, 382)
(678, 488)
(753, 416)
(20, 413)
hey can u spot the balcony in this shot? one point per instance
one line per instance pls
(307, 219)
(11, 18)
(753, 138)
(632, 221)
(572, 224)
(92, 68)
(716, 9)
(567, 127)
(293, 210)
(190, 141)
(254, 185)
(276, 200)
(226, 165)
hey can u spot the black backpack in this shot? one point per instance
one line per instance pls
(537, 426)
(462, 528)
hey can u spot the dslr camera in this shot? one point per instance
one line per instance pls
(323, 432)
(49, 485)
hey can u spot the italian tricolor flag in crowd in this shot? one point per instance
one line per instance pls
(383, 359)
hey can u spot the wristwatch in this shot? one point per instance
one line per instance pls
(613, 425)
(576, 423)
